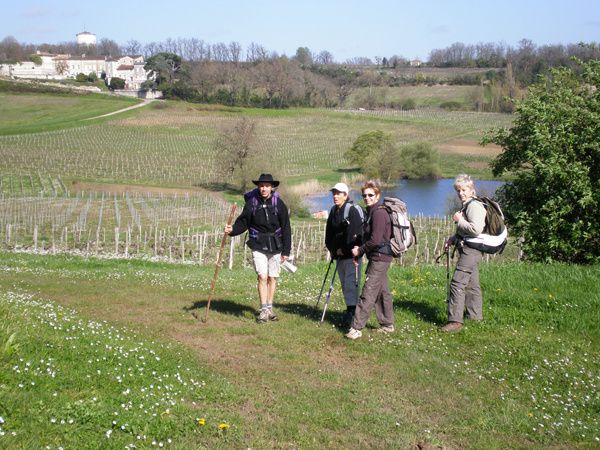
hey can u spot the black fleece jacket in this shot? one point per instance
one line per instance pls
(265, 220)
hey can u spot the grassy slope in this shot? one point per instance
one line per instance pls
(525, 377)
(33, 113)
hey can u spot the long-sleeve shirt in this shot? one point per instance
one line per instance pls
(343, 234)
(263, 219)
(472, 222)
(378, 231)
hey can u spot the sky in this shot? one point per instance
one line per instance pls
(345, 28)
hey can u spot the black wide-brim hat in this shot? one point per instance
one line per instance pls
(266, 178)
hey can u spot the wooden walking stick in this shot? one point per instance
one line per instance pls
(219, 261)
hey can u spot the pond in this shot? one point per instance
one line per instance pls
(427, 197)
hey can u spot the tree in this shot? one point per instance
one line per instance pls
(166, 67)
(553, 149)
(419, 161)
(235, 147)
(132, 48)
(61, 66)
(304, 56)
(108, 47)
(36, 59)
(116, 83)
(324, 58)
(375, 153)
(10, 50)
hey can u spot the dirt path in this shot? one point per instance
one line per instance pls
(139, 105)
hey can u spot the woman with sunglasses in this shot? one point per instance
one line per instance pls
(376, 292)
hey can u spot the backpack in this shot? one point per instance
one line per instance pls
(347, 207)
(403, 232)
(253, 196)
(253, 233)
(494, 236)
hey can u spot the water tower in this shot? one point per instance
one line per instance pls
(86, 38)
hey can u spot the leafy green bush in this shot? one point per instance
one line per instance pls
(81, 78)
(116, 83)
(36, 59)
(375, 153)
(553, 148)
(420, 161)
(451, 105)
(408, 104)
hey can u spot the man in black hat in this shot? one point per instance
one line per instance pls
(265, 217)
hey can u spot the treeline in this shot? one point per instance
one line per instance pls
(226, 73)
(527, 59)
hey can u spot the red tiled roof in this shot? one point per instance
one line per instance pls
(125, 67)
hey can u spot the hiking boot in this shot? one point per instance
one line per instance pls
(452, 327)
(272, 316)
(386, 329)
(353, 334)
(263, 317)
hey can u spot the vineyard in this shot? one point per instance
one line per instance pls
(172, 145)
(178, 228)
(175, 146)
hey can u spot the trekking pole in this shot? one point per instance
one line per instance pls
(448, 274)
(219, 260)
(437, 260)
(329, 293)
(324, 281)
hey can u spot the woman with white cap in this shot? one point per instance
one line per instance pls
(342, 233)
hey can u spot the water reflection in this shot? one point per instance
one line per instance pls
(427, 197)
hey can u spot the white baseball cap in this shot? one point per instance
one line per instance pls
(340, 187)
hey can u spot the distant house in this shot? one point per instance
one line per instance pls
(129, 68)
(58, 67)
(415, 63)
(86, 65)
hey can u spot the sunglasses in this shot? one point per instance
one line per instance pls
(368, 195)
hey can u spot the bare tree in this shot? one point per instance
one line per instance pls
(236, 148)
(108, 47)
(61, 65)
(324, 58)
(132, 48)
(256, 53)
(235, 52)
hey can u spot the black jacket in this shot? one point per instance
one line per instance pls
(263, 220)
(343, 234)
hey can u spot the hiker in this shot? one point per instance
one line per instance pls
(465, 291)
(265, 217)
(376, 239)
(342, 233)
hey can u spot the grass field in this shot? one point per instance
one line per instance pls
(422, 95)
(106, 354)
(33, 113)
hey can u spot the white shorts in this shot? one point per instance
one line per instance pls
(266, 263)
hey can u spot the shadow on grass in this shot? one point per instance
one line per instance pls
(423, 311)
(310, 312)
(221, 306)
